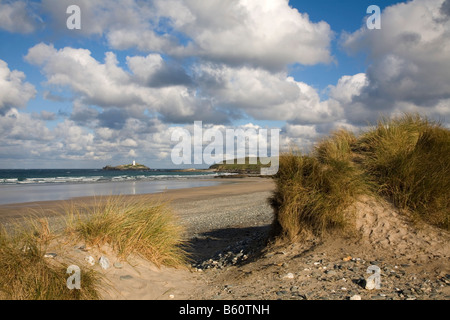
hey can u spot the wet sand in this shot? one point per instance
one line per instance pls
(178, 198)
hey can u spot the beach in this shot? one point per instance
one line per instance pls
(182, 197)
(226, 228)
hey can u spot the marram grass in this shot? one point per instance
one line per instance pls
(131, 226)
(405, 159)
(26, 275)
(128, 226)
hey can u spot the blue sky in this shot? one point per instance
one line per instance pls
(116, 89)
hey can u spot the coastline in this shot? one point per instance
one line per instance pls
(226, 227)
(178, 197)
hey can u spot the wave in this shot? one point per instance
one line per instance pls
(100, 179)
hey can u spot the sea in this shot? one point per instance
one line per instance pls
(29, 185)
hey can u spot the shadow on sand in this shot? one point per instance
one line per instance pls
(208, 244)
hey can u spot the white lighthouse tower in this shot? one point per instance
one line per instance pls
(134, 163)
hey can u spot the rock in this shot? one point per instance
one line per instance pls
(355, 297)
(348, 258)
(171, 296)
(117, 265)
(90, 260)
(50, 255)
(331, 273)
(126, 277)
(85, 248)
(290, 275)
(370, 284)
(104, 262)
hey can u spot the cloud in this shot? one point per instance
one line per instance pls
(409, 58)
(15, 126)
(264, 95)
(147, 85)
(14, 92)
(153, 71)
(274, 33)
(17, 17)
(47, 115)
(445, 8)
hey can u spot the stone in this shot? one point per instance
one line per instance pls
(104, 262)
(331, 273)
(355, 297)
(281, 292)
(90, 260)
(126, 277)
(117, 265)
(50, 255)
(348, 258)
(370, 284)
(290, 275)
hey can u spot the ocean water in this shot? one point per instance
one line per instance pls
(18, 186)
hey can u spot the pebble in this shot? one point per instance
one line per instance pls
(90, 260)
(331, 273)
(290, 275)
(117, 265)
(348, 258)
(50, 255)
(355, 297)
(104, 262)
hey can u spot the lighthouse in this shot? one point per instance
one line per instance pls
(134, 163)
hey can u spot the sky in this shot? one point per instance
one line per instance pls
(115, 90)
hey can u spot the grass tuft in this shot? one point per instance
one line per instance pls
(313, 191)
(406, 159)
(409, 159)
(131, 227)
(26, 275)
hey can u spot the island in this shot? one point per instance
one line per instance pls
(240, 167)
(128, 167)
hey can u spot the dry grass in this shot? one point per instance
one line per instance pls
(409, 160)
(26, 275)
(313, 191)
(406, 159)
(130, 227)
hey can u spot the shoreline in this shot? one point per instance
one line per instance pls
(177, 197)
(226, 230)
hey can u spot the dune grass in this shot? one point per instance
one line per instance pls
(131, 227)
(405, 159)
(128, 226)
(25, 274)
(312, 191)
(409, 160)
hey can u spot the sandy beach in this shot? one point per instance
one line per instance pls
(226, 228)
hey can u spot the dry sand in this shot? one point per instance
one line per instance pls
(226, 226)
